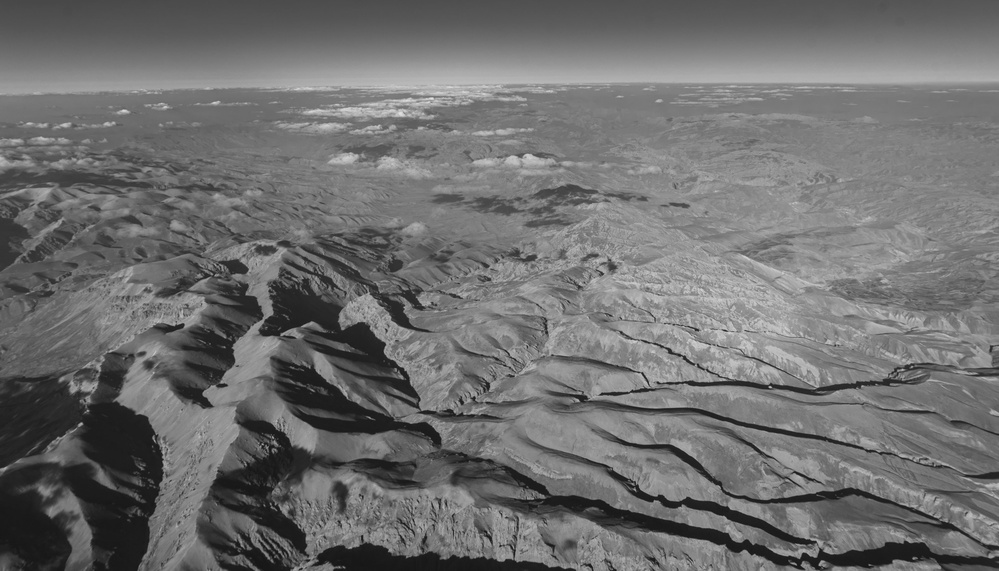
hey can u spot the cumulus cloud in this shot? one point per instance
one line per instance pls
(223, 200)
(179, 125)
(158, 106)
(374, 130)
(416, 106)
(526, 164)
(134, 231)
(645, 169)
(67, 125)
(659, 100)
(77, 162)
(344, 159)
(405, 168)
(370, 112)
(313, 128)
(104, 125)
(487, 162)
(178, 226)
(12, 143)
(49, 141)
(503, 132)
(9, 163)
(123, 112)
(390, 163)
(529, 161)
(221, 104)
(414, 229)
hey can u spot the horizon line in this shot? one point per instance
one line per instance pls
(139, 90)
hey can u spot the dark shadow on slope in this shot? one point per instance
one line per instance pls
(293, 308)
(124, 445)
(543, 206)
(324, 407)
(33, 413)
(28, 536)
(447, 198)
(558, 220)
(11, 234)
(247, 491)
(366, 557)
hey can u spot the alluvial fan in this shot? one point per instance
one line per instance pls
(500, 328)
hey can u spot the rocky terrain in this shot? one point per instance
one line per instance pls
(599, 327)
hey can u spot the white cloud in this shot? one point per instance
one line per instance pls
(363, 113)
(417, 106)
(123, 112)
(77, 162)
(390, 163)
(405, 168)
(503, 132)
(313, 128)
(11, 163)
(525, 165)
(645, 169)
(488, 162)
(104, 125)
(344, 159)
(135, 231)
(158, 106)
(12, 142)
(178, 226)
(414, 229)
(659, 100)
(49, 141)
(179, 125)
(223, 200)
(374, 130)
(221, 104)
(529, 161)
(67, 125)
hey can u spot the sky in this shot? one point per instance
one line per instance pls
(92, 45)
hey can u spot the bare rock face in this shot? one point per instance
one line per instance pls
(610, 342)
